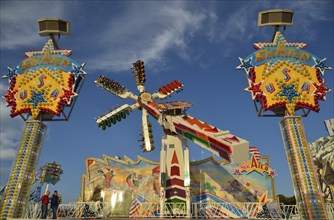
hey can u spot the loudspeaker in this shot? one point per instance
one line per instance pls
(275, 17)
(48, 26)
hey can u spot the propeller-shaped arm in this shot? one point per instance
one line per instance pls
(168, 89)
(171, 116)
(138, 71)
(141, 88)
(147, 132)
(114, 88)
(115, 115)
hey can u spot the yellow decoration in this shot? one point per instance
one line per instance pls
(273, 76)
(254, 165)
(284, 77)
(44, 82)
(264, 198)
(51, 93)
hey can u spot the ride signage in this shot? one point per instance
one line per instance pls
(43, 83)
(254, 165)
(283, 75)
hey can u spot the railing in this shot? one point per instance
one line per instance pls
(175, 210)
(330, 210)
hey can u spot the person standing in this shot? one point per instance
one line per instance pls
(54, 204)
(45, 202)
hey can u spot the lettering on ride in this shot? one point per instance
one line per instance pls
(23, 94)
(306, 87)
(254, 165)
(55, 93)
(41, 81)
(286, 72)
(47, 59)
(281, 51)
(270, 88)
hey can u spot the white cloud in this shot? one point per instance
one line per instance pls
(241, 25)
(11, 130)
(18, 21)
(148, 33)
(308, 14)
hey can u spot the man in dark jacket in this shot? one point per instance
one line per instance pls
(54, 204)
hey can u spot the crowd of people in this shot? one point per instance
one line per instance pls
(54, 201)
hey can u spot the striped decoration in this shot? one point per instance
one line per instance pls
(134, 208)
(213, 212)
(256, 152)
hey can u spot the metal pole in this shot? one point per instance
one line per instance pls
(187, 180)
(275, 31)
(162, 181)
(47, 188)
(55, 43)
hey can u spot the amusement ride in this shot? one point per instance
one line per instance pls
(283, 79)
(177, 126)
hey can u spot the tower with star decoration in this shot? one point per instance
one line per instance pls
(43, 87)
(287, 81)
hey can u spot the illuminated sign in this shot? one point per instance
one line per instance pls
(284, 75)
(254, 165)
(43, 83)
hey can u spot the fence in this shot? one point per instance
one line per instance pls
(175, 210)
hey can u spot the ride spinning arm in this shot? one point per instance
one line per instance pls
(171, 116)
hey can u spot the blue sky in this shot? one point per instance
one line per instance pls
(196, 42)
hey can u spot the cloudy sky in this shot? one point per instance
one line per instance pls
(196, 42)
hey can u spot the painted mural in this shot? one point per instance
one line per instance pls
(212, 180)
(125, 185)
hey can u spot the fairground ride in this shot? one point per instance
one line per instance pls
(177, 125)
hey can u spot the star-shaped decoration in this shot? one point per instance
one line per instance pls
(289, 92)
(10, 98)
(11, 73)
(321, 65)
(37, 97)
(255, 89)
(49, 46)
(272, 173)
(68, 94)
(237, 172)
(264, 198)
(279, 40)
(78, 70)
(245, 64)
(285, 77)
(321, 90)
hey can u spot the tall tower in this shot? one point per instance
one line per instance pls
(302, 169)
(174, 172)
(21, 179)
(287, 80)
(43, 87)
